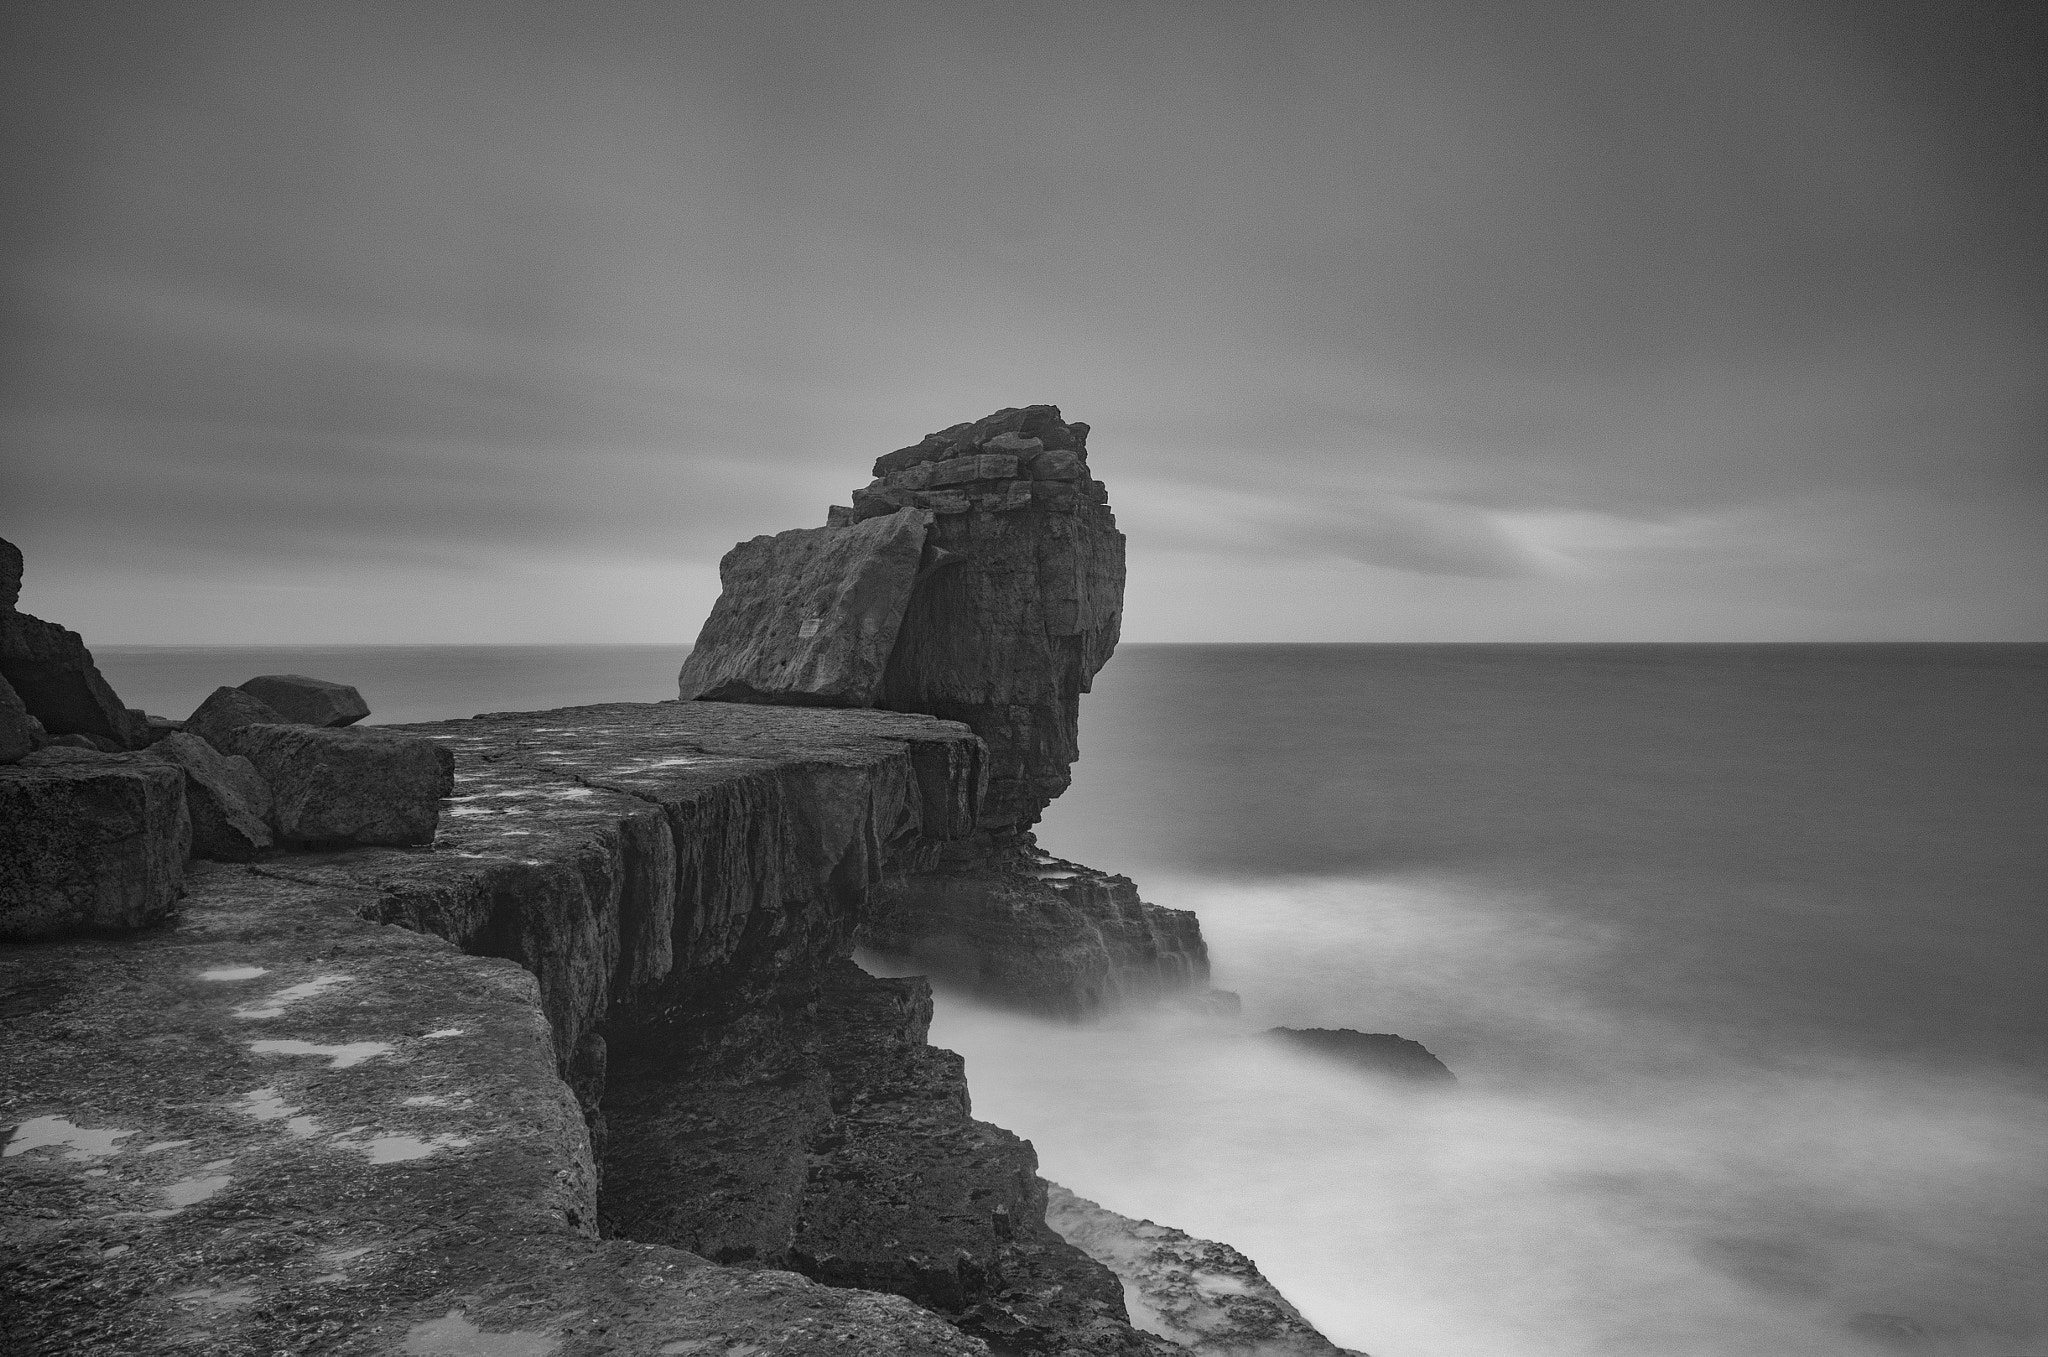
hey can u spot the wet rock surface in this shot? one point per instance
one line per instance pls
(308, 701)
(279, 1127)
(92, 842)
(1369, 1052)
(1206, 1297)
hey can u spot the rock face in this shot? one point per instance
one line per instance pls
(808, 616)
(1372, 1052)
(93, 843)
(346, 787)
(55, 677)
(10, 575)
(19, 732)
(308, 701)
(1014, 604)
(227, 798)
(1207, 1297)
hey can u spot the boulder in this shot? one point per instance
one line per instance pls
(1372, 1052)
(54, 674)
(157, 727)
(228, 709)
(344, 788)
(20, 733)
(227, 798)
(309, 701)
(89, 842)
(808, 617)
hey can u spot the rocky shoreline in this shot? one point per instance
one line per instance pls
(535, 1033)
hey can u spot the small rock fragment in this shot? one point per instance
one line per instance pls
(309, 701)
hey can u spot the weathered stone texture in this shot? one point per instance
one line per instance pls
(93, 842)
(56, 679)
(308, 701)
(808, 616)
(19, 732)
(346, 787)
(1207, 1297)
(10, 575)
(227, 798)
(1038, 933)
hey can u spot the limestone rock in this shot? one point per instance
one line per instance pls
(227, 709)
(157, 727)
(56, 679)
(89, 842)
(308, 701)
(1207, 1297)
(1373, 1052)
(808, 617)
(228, 800)
(19, 732)
(10, 575)
(347, 787)
(1038, 933)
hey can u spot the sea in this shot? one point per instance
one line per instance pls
(1739, 954)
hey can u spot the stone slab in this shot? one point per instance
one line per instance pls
(55, 676)
(809, 616)
(228, 800)
(346, 787)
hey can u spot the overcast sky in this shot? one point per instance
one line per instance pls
(1424, 320)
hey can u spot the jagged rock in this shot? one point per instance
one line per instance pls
(808, 617)
(227, 799)
(89, 842)
(1207, 1297)
(10, 575)
(308, 701)
(340, 787)
(1042, 934)
(823, 1135)
(20, 733)
(1373, 1052)
(56, 679)
(226, 710)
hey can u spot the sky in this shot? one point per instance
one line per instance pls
(1440, 320)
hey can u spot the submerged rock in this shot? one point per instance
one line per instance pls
(1206, 1297)
(1373, 1052)
(89, 842)
(308, 701)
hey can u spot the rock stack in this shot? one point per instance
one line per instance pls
(978, 578)
(102, 805)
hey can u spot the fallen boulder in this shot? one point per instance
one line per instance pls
(309, 701)
(341, 788)
(809, 616)
(1373, 1052)
(228, 800)
(89, 842)
(228, 709)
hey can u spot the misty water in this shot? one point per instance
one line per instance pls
(1737, 951)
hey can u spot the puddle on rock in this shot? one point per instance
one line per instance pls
(37, 1132)
(340, 1057)
(234, 973)
(194, 1190)
(454, 1336)
(277, 1003)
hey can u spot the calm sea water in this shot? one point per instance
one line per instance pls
(1740, 953)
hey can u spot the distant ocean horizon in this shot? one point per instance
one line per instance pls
(1739, 952)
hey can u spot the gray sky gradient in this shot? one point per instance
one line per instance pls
(1445, 320)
